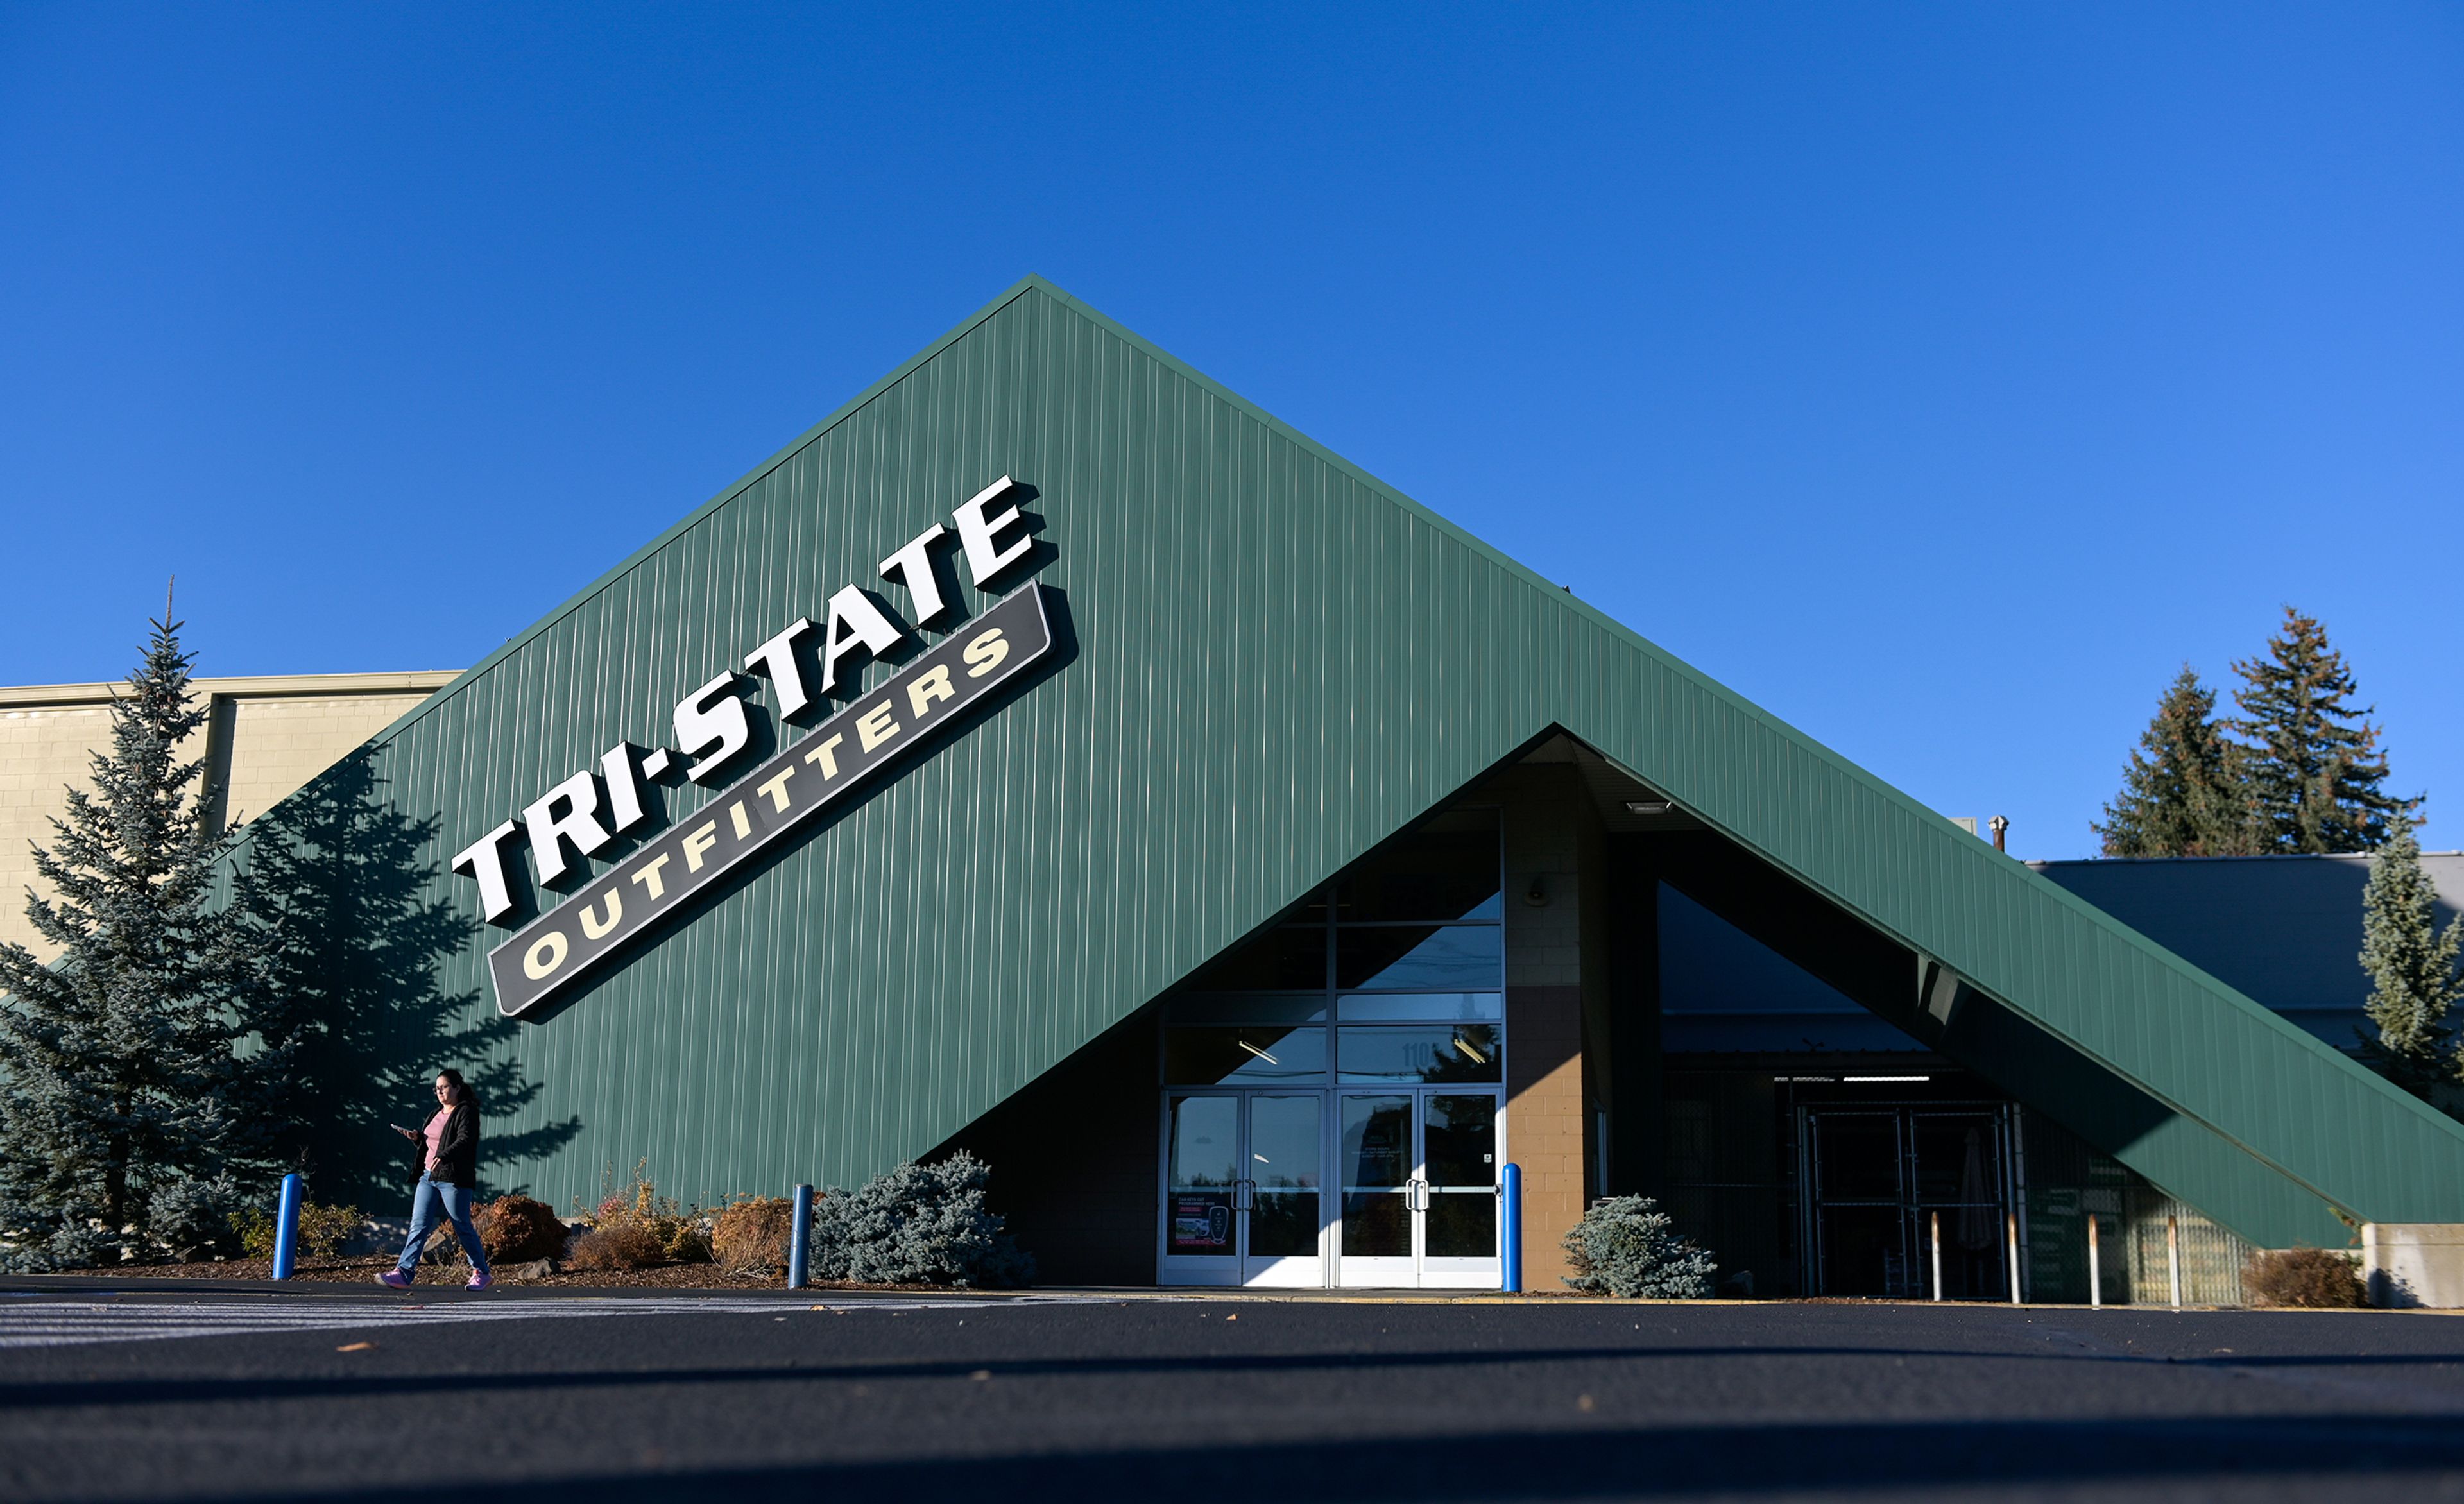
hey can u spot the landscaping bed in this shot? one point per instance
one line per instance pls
(443, 1276)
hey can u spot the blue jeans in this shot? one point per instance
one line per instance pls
(454, 1202)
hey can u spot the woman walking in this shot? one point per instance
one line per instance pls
(452, 1143)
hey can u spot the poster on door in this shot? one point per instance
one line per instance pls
(1201, 1223)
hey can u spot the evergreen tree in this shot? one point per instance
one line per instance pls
(2182, 791)
(2412, 968)
(122, 1086)
(2316, 775)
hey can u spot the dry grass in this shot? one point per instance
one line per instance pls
(752, 1234)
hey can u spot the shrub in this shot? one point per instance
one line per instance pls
(189, 1216)
(515, 1229)
(322, 1229)
(2318, 1278)
(919, 1224)
(689, 1243)
(619, 1242)
(1625, 1245)
(634, 1226)
(752, 1234)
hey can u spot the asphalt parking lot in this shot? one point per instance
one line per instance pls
(337, 1395)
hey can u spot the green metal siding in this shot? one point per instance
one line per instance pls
(1280, 663)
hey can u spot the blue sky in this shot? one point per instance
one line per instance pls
(1940, 377)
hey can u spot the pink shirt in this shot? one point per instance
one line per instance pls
(436, 1133)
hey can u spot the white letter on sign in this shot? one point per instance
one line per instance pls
(982, 534)
(912, 566)
(710, 721)
(777, 659)
(578, 824)
(484, 859)
(854, 620)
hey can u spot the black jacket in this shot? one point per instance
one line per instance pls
(457, 1153)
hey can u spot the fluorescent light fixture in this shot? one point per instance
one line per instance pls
(1647, 807)
(1824, 1079)
(1255, 1050)
(1886, 1078)
(1465, 1047)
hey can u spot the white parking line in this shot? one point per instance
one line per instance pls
(63, 1323)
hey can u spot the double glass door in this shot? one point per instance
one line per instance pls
(1242, 1203)
(1389, 1189)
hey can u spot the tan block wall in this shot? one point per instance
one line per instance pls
(263, 739)
(278, 745)
(1547, 825)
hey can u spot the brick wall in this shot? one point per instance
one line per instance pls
(1550, 854)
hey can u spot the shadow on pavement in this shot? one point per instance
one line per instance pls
(1622, 1463)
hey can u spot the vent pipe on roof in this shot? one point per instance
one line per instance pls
(1999, 824)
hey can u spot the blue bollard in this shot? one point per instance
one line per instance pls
(799, 1237)
(286, 1227)
(1515, 1230)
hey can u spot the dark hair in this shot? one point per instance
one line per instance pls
(463, 1091)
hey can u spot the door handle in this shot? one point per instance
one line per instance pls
(1244, 1195)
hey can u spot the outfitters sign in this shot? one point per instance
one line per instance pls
(966, 670)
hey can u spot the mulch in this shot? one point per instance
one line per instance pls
(660, 1277)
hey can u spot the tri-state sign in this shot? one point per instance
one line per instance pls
(587, 812)
(962, 671)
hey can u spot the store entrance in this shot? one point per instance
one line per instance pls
(1889, 1183)
(1418, 1203)
(1333, 1087)
(1420, 1177)
(1242, 1203)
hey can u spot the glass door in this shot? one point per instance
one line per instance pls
(1242, 1175)
(1419, 1172)
(1201, 1235)
(1377, 1160)
(1283, 1221)
(1459, 1196)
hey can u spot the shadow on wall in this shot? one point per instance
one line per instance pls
(346, 887)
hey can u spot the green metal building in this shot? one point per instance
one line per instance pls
(1053, 755)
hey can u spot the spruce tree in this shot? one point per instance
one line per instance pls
(2316, 774)
(2182, 791)
(121, 1067)
(2412, 968)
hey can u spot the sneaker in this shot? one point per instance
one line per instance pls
(394, 1279)
(480, 1281)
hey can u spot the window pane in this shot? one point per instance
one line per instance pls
(1450, 873)
(1463, 1224)
(1461, 1135)
(1284, 1145)
(1406, 1007)
(1465, 1052)
(1204, 1162)
(1376, 1143)
(1293, 955)
(1265, 1054)
(1420, 958)
(1248, 1007)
